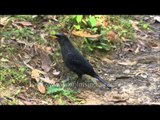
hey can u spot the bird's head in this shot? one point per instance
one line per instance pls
(60, 37)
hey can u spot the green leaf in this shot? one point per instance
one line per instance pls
(124, 31)
(99, 47)
(78, 27)
(67, 93)
(84, 22)
(90, 48)
(53, 32)
(115, 27)
(73, 16)
(92, 21)
(114, 46)
(94, 29)
(22, 69)
(98, 16)
(145, 26)
(103, 44)
(53, 89)
(79, 18)
(57, 54)
(103, 32)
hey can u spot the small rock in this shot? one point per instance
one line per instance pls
(126, 71)
(157, 18)
(144, 75)
(55, 72)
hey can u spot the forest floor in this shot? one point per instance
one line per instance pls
(133, 71)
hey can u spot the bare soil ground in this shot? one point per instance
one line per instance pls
(133, 71)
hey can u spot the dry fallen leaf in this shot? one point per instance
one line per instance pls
(3, 21)
(98, 23)
(101, 22)
(123, 39)
(128, 49)
(156, 49)
(22, 96)
(41, 87)
(16, 26)
(105, 24)
(85, 34)
(23, 23)
(4, 60)
(43, 35)
(27, 102)
(127, 62)
(105, 59)
(47, 79)
(46, 61)
(137, 49)
(111, 35)
(154, 45)
(134, 24)
(48, 50)
(140, 45)
(35, 74)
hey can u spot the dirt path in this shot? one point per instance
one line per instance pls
(134, 73)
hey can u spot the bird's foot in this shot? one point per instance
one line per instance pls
(109, 87)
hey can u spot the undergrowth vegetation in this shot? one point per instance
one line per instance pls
(90, 32)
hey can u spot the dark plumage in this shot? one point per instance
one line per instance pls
(74, 60)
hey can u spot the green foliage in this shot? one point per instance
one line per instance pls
(119, 24)
(102, 44)
(78, 27)
(79, 18)
(13, 75)
(92, 21)
(60, 92)
(24, 33)
(43, 26)
(88, 23)
(143, 25)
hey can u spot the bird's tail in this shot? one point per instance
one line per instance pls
(102, 81)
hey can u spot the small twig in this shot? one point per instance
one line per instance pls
(124, 77)
(9, 98)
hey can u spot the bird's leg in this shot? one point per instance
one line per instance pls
(78, 81)
(79, 78)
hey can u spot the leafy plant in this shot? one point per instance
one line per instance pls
(92, 21)
(143, 25)
(60, 92)
(79, 18)
(101, 24)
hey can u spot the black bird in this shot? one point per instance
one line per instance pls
(74, 60)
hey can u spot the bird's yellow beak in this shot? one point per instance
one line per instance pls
(53, 36)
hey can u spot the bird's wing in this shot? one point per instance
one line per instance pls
(72, 56)
(75, 59)
(77, 62)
